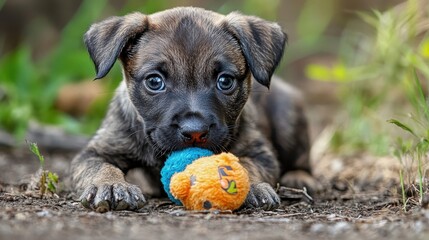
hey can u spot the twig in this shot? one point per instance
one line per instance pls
(283, 192)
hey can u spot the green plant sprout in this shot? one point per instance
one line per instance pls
(48, 181)
(418, 128)
(404, 195)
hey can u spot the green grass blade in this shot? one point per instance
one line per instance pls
(422, 149)
(421, 98)
(404, 198)
(403, 126)
(42, 182)
(34, 149)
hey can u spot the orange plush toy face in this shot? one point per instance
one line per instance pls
(214, 182)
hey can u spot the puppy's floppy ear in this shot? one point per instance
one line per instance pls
(106, 40)
(262, 43)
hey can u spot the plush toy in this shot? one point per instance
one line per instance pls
(200, 180)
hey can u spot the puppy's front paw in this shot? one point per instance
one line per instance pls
(262, 196)
(106, 197)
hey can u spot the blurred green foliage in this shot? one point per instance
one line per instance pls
(374, 73)
(28, 89)
(385, 74)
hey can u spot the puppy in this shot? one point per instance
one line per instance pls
(188, 76)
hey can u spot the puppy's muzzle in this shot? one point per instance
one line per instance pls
(194, 130)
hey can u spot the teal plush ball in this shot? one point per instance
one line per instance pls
(177, 162)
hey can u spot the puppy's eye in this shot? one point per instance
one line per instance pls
(226, 83)
(154, 83)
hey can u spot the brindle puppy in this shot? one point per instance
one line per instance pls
(188, 77)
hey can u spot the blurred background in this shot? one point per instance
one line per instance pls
(356, 62)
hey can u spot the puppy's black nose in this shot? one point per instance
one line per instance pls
(194, 130)
(195, 136)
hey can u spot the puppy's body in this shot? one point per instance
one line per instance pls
(188, 82)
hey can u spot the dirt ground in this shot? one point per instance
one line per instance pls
(359, 207)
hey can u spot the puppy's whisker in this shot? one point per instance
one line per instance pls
(135, 132)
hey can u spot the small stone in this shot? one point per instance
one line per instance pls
(178, 213)
(318, 227)
(340, 227)
(44, 213)
(21, 216)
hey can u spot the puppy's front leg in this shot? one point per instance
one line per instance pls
(263, 169)
(262, 194)
(103, 185)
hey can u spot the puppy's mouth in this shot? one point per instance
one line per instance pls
(165, 141)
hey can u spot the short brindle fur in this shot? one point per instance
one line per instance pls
(188, 77)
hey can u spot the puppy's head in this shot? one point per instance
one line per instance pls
(188, 71)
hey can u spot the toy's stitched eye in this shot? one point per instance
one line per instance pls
(226, 83)
(154, 83)
(207, 205)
